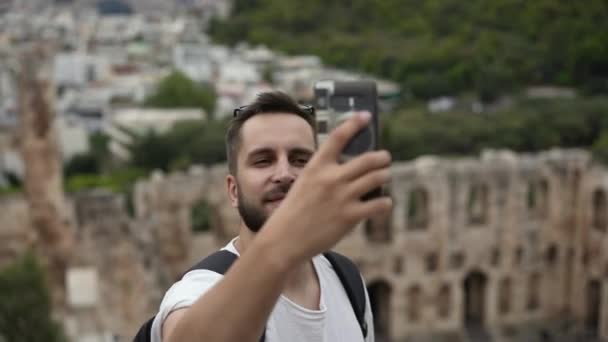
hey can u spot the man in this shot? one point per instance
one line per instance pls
(294, 203)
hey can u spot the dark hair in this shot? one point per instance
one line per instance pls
(271, 102)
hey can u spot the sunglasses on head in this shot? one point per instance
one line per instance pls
(310, 110)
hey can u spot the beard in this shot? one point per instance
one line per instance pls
(255, 216)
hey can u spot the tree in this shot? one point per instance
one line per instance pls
(600, 148)
(25, 304)
(188, 142)
(178, 91)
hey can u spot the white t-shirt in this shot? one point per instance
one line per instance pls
(334, 322)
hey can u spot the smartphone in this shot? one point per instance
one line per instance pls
(336, 101)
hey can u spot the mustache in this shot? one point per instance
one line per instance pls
(277, 192)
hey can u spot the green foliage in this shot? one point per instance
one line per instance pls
(178, 91)
(25, 304)
(188, 142)
(14, 184)
(438, 47)
(119, 180)
(531, 125)
(91, 162)
(82, 163)
(600, 148)
(201, 216)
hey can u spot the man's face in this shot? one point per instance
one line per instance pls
(274, 149)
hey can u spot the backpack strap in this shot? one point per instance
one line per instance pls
(145, 332)
(218, 262)
(351, 279)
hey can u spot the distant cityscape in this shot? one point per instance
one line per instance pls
(112, 54)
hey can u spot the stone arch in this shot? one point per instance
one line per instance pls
(518, 256)
(552, 255)
(475, 284)
(378, 229)
(418, 216)
(205, 218)
(534, 288)
(200, 215)
(478, 204)
(380, 298)
(414, 303)
(444, 301)
(505, 293)
(538, 198)
(594, 297)
(600, 210)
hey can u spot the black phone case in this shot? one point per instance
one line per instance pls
(365, 98)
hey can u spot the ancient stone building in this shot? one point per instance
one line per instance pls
(474, 247)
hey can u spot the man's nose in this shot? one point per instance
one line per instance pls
(284, 172)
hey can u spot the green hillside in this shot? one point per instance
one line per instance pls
(439, 47)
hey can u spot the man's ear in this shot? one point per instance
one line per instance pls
(232, 189)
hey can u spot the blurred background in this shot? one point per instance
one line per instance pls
(112, 162)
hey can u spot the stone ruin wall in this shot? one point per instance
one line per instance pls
(526, 231)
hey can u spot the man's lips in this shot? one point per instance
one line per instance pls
(275, 198)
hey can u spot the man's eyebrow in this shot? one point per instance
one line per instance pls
(258, 151)
(301, 150)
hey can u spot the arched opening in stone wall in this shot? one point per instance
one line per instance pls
(505, 292)
(432, 262)
(518, 256)
(477, 207)
(475, 299)
(398, 265)
(200, 215)
(378, 229)
(594, 300)
(534, 287)
(414, 302)
(600, 210)
(537, 198)
(552, 255)
(418, 209)
(380, 299)
(457, 260)
(205, 218)
(495, 256)
(444, 301)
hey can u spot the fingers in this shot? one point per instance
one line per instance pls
(377, 206)
(339, 137)
(366, 162)
(369, 181)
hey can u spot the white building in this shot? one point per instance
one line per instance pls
(78, 69)
(89, 106)
(73, 137)
(118, 29)
(236, 71)
(193, 60)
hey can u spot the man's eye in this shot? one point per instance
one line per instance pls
(261, 162)
(300, 161)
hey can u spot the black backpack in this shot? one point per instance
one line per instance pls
(346, 270)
